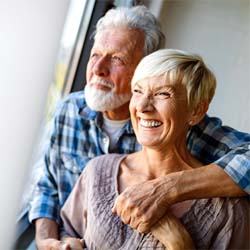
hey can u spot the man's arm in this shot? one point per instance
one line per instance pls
(47, 234)
(205, 182)
(45, 203)
(144, 204)
(211, 142)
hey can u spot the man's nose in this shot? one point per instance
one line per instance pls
(101, 67)
(145, 104)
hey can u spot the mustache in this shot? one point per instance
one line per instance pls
(102, 82)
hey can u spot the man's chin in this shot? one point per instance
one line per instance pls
(105, 104)
(100, 100)
(101, 107)
(97, 108)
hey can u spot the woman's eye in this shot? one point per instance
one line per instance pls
(163, 94)
(137, 91)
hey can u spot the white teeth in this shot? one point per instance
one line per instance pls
(150, 123)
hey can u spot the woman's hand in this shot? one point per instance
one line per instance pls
(73, 243)
(172, 234)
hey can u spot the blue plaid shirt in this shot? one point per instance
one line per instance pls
(77, 137)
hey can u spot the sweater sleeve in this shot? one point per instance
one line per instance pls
(74, 211)
(233, 232)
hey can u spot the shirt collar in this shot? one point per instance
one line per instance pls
(128, 128)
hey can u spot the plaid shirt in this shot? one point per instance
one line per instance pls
(77, 137)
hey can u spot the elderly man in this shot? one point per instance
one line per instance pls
(96, 121)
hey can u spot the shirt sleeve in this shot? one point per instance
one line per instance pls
(45, 202)
(55, 181)
(211, 142)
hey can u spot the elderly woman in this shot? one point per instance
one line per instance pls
(171, 92)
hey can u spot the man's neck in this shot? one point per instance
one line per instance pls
(120, 113)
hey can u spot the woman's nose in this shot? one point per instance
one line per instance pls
(145, 104)
(101, 67)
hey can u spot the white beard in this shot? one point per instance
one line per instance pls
(100, 100)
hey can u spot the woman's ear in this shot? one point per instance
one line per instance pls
(198, 113)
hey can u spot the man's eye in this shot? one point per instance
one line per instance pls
(117, 59)
(93, 55)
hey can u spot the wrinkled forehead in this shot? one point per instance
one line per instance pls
(125, 41)
(155, 82)
(123, 35)
(171, 77)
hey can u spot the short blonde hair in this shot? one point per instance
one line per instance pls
(179, 67)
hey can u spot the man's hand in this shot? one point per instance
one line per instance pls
(67, 244)
(142, 205)
(52, 244)
(47, 237)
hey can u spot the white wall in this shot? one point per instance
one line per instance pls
(29, 37)
(219, 30)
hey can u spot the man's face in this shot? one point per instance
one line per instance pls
(113, 59)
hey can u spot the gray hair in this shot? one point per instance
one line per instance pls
(179, 67)
(138, 17)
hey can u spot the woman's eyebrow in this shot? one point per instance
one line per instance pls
(137, 85)
(167, 86)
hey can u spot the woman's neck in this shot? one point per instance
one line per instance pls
(159, 163)
(149, 164)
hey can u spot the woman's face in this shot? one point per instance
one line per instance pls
(159, 112)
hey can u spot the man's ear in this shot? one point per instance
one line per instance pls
(198, 113)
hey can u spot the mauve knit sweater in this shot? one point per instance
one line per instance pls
(216, 223)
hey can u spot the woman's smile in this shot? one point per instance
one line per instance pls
(149, 123)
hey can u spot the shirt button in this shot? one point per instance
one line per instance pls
(105, 140)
